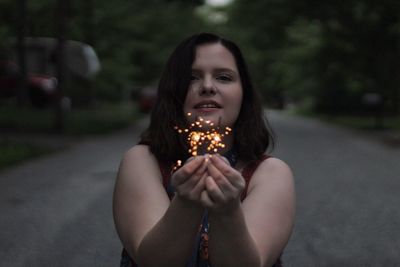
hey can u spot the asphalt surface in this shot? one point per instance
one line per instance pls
(347, 195)
(56, 210)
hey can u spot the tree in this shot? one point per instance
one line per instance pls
(362, 39)
(22, 94)
(132, 38)
(333, 52)
(62, 15)
(260, 28)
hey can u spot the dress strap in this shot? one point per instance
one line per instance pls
(248, 171)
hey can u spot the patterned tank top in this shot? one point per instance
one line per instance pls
(199, 257)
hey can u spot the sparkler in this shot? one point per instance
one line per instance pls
(210, 140)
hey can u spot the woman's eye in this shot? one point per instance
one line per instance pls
(193, 77)
(224, 78)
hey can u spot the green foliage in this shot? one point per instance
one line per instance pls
(98, 119)
(12, 152)
(134, 47)
(328, 51)
(303, 40)
(132, 38)
(333, 52)
(31, 129)
(260, 28)
(101, 119)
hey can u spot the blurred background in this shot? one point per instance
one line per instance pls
(330, 58)
(72, 71)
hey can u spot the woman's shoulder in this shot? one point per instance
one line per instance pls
(274, 164)
(266, 162)
(271, 170)
(138, 150)
(138, 159)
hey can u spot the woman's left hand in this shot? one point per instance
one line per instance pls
(224, 185)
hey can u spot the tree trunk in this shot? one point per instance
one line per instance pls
(89, 21)
(89, 39)
(62, 16)
(22, 92)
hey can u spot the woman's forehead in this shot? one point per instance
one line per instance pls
(215, 56)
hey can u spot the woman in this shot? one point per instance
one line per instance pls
(231, 210)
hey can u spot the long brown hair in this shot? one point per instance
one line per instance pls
(252, 134)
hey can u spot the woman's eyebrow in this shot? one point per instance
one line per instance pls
(224, 69)
(196, 70)
(215, 70)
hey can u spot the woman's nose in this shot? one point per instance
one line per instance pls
(208, 88)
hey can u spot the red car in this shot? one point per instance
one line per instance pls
(147, 99)
(41, 88)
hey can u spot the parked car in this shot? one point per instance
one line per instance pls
(41, 88)
(81, 65)
(147, 99)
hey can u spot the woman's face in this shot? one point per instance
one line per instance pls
(215, 92)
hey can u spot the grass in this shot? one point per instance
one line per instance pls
(103, 119)
(363, 122)
(359, 122)
(96, 120)
(12, 152)
(99, 119)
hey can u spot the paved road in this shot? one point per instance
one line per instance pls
(347, 195)
(56, 211)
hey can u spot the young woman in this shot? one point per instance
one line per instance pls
(234, 208)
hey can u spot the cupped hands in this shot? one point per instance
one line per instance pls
(210, 181)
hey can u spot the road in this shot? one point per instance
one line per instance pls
(347, 195)
(56, 211)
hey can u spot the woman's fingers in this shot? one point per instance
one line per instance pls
(188, 181)
(214, 190)
(195, 166)
(192, 189)
(219, 169)
(212, 195)
(206, 200)
(199, 187)
(224, 184)
(209, 180)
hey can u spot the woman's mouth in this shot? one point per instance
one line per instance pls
(205, 105)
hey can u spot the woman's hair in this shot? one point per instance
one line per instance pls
(252, 135)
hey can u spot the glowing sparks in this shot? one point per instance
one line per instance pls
(199, 139)
(210, 140)
(177, 165)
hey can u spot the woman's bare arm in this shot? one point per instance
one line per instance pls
(149, 225)
(255, 232)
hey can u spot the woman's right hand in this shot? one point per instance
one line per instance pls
(189, 180)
